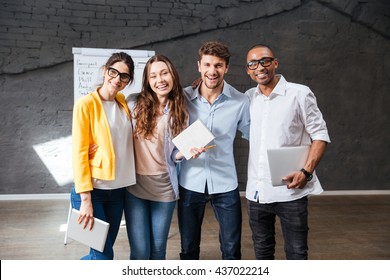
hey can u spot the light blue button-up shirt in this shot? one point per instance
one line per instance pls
(216, 167)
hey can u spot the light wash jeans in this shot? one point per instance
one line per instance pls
(107, 206)
(148, 223)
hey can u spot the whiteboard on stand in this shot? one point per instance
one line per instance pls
(88, 64)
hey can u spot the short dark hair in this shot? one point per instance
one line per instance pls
(261, 46)
(215, 48)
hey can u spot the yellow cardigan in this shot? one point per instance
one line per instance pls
(90, 126)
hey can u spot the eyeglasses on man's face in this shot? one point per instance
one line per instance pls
(265, 62)
(113, 73)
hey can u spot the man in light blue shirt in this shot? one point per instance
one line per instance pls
(211, 175)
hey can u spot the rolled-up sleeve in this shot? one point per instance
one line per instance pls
(314, 121)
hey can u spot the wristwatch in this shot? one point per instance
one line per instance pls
(308, 175)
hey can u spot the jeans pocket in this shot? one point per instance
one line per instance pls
(75, 199)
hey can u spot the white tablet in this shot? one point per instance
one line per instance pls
(284, 161)
(94, 238)
(195, 135)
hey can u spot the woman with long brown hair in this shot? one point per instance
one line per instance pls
(159, 114)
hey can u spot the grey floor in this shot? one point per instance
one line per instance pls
(346, 227)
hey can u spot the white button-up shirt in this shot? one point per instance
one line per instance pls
(289, 116)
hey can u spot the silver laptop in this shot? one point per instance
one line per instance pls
(95, 238)
(285, 160)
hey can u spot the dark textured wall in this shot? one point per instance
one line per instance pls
(340, 49)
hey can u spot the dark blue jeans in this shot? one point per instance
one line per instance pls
(293, 220)
(227, 210)
(107, 206)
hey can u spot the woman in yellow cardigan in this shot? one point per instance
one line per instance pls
(103, 118)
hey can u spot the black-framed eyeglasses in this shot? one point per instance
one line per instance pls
(113, 73)
(265, 62)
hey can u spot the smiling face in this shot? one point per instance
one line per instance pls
(212, 70)
(112, 85)
(264, 76)
(160, 80)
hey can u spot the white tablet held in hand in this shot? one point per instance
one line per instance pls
(94, 238)
(286, 160)
(195, 135)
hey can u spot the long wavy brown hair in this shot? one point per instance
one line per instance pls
(147, 105)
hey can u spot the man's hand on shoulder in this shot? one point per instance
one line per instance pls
(196, 83)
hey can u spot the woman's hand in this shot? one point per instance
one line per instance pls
(86, 210)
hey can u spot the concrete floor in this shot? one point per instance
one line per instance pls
(346, 227)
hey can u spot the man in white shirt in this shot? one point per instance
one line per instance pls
(282, 114)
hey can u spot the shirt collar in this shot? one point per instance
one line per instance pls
(166, 108)
(225, 91)
(279, 89)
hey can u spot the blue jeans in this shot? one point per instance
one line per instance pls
(227, 210)
(107, 206)
(293, 220)
(148, 223)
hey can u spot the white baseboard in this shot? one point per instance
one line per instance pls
(357, 192)
(350, 192)
(65, 196)
(45, 196)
